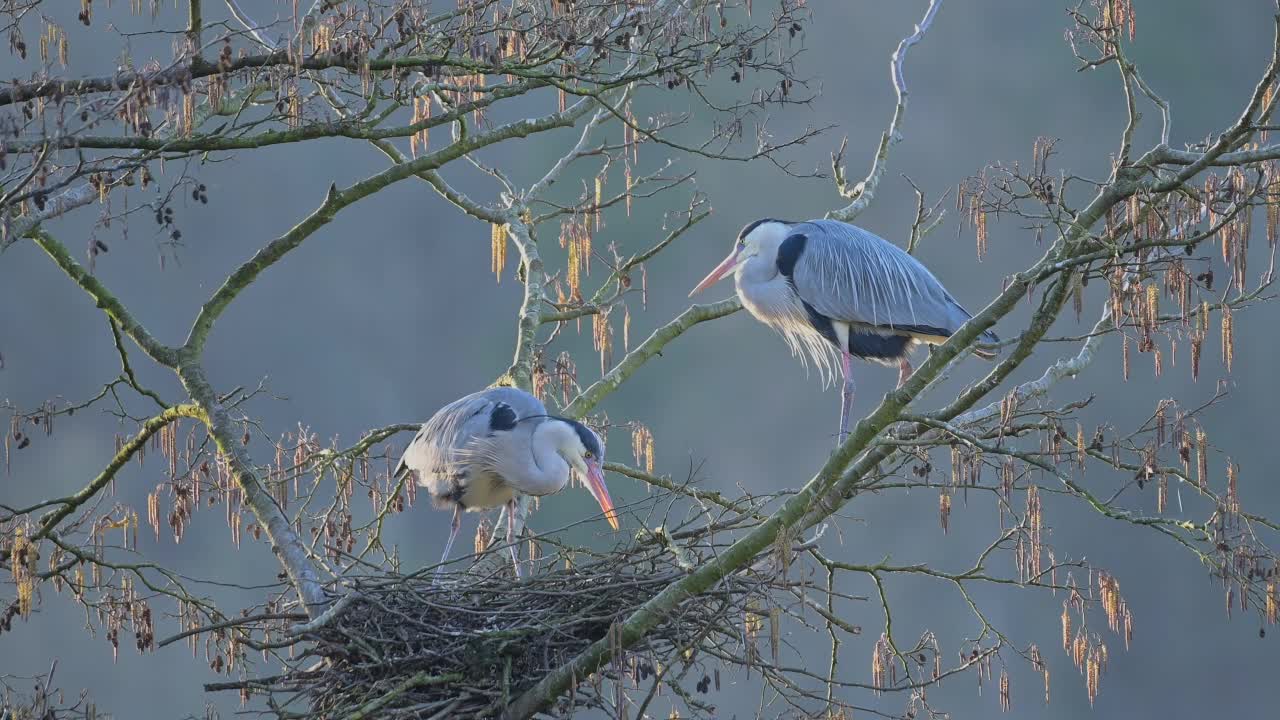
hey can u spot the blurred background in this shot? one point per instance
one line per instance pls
(391, 311)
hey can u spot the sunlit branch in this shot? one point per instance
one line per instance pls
(126, 452)
(1063, 369)
(652, 346)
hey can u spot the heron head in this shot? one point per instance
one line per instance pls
(759, 238)
(584, 452)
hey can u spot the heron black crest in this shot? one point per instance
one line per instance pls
(752, 226)
(589, 439)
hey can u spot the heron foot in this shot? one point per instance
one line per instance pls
(448, 545)
(904, 371)
(511, 545)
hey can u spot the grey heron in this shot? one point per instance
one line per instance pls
(478, 451)
(831, 288)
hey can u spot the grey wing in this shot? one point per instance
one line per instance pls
(849, 274)
(442, 449)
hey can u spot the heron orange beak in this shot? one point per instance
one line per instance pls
(595, 485)
(724, 268)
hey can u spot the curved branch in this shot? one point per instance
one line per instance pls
(335, 200)
(126, 452)
(529, 317)
(862, 193)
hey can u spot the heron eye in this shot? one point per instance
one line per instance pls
(588, 455)
(742, 244)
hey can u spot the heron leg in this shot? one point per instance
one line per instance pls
(511, 544)
(846, 397)
(453, 534)
(904, 371)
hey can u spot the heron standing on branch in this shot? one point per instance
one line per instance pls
(477, 452)
(830, 286)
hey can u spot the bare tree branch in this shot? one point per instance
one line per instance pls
(861, 194)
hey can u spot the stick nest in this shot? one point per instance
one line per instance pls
(469, 645)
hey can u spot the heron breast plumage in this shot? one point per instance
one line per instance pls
(483, 490)
(776, 304)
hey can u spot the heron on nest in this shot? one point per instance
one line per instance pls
(477, 452)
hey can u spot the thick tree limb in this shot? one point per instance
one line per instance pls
(195, 23)
(216, 142)
(285, 543)
(198, 67)
(1169, 156)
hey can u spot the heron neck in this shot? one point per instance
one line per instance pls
(550, 471)
(758, 269)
